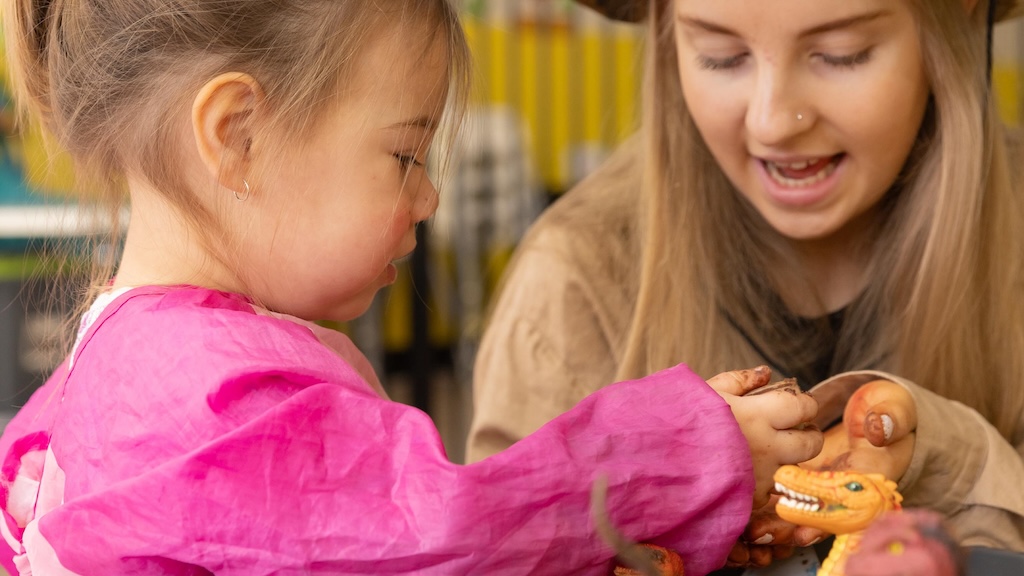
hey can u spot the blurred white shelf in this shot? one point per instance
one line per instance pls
(49, 221)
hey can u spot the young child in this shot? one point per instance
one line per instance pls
(274, 156)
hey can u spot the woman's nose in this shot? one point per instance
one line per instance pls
(775, 113)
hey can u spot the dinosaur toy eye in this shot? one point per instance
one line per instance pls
(854, 487)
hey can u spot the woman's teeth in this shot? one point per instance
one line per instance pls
(803, 173)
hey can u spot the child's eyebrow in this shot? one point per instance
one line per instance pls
(426, 122)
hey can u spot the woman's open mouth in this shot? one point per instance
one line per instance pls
(803, 173)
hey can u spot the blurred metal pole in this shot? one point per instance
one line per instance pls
(368, 335)
(421, 362)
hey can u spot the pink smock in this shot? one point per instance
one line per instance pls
(194, 433)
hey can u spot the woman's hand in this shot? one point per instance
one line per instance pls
(773, 424)
(768, 538)
(877, 433)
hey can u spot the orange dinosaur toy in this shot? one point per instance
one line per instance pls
(841, 502)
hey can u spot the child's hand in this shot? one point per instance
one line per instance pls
(770, 424)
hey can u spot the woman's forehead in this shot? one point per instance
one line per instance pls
(786, 9)
(800, 18)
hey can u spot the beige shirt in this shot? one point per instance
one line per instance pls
(557, 332)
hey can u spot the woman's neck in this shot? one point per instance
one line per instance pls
(834, 268)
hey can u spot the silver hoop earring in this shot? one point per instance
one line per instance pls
(245, 196)
(799, 116)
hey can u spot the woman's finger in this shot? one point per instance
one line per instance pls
(889, 422)
(769, 531)
(883, 412)
(835, 443)
(782, 552)
(805, 536)
(738, 556)
(760, 556)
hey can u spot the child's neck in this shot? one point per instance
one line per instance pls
(161, 249)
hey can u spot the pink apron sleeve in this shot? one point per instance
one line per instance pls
(331, 481)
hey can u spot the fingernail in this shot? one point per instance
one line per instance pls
(815, 541)
(887, 426)
(766, 539)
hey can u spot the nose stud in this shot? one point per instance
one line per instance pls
(799, 116)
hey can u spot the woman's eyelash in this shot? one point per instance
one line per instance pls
(708, 63)
(848, 61)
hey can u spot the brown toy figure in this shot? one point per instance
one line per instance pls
(637, 559)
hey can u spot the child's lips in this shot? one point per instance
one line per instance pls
(391, 270)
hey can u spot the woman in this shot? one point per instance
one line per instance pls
(820, 185)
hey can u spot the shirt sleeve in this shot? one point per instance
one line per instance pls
(544, 350)
(961, 466)
(330, 481)
(559, 326)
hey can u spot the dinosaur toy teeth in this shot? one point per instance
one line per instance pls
(798, 500)
(794, 495)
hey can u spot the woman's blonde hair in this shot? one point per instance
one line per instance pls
(107, 77)
(943, 302)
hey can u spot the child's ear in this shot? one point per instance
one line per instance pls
(222, 123)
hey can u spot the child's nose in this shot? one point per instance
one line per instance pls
(427, 200)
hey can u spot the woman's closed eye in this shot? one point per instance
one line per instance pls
(836, 61)
(847, 60)
(728, 63)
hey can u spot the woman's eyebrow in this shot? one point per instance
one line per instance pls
(693, 22)
(848, 22)
(831, 26)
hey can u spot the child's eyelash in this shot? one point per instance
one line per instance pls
(408, 160)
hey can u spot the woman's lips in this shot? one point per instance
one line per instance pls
(800, 182)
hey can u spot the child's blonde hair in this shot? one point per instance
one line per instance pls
(943, 303)
(106, 77)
